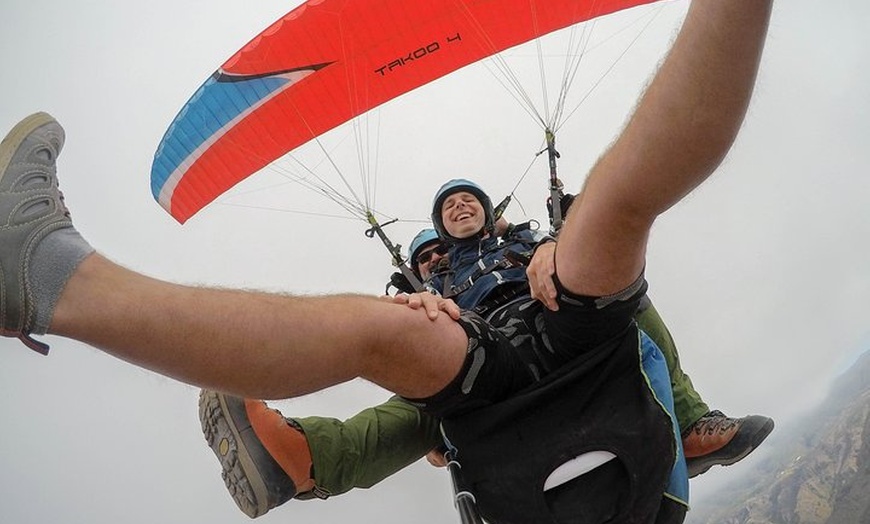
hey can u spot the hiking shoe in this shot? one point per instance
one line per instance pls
(255, 480)
(717, 439)
(31, 207)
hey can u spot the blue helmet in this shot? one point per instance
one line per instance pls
(424, 238)
(454, 186)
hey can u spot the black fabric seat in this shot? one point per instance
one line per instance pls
(601, 401)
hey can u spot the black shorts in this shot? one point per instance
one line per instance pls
(521, 342)
(543, 387)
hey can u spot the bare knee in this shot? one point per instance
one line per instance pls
(417, 357)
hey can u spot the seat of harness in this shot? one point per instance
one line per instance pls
(600, 402)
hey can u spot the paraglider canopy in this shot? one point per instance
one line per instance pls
(324, 63)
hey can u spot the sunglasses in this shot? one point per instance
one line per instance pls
(426, 256)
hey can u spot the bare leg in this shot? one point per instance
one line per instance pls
(251, 344)
(256, 344)
(681, 130)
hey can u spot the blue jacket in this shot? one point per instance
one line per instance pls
(475, 269)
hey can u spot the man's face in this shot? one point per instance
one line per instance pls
(462, 215)
(427, 259)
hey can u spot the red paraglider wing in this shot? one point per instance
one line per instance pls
(326, 62)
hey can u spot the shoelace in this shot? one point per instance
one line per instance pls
(713, 422)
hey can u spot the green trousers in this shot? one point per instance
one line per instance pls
(377, 442)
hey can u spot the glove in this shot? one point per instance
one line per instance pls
(400, 282)
(565, 202)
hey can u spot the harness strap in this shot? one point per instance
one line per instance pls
(500, 297)
(511, 259)
(452, 291)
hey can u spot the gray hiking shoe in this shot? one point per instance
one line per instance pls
(716, 439)
(31, 207)
(254, 479)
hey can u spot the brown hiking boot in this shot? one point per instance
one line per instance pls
(264, 457)
(717, 439)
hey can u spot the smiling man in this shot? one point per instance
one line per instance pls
(461, 214)
(480, 276)
(425, 253)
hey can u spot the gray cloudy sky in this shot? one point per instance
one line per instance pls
(761, 274)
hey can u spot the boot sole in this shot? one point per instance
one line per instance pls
(725, 459)
(21, 131)
(239, 471)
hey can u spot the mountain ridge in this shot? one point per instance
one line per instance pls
(819, 472)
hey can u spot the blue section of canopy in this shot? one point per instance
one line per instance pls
(208, 113)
